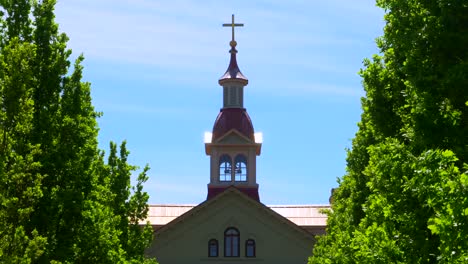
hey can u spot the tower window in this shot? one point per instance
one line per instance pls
(250, 248)
(213, 248)
(241, 168)
(225, 96)
(225, 168)
(231, 242)
(232, 96)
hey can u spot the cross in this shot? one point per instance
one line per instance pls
(232, 24)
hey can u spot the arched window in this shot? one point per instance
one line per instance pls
(213, 248)
(250, 248)
(241, 168)
(225, 168)
(231, 242)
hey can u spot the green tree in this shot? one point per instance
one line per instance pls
(59, 201)
(404, 198)
(20, 180)
(132, 209)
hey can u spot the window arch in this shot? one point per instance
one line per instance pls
(250, 248)
(213, 248)
(225, 168)
(231, 242)
(241, 168)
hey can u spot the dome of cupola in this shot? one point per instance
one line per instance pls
(233, 118)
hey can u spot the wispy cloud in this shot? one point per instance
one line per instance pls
(113, 34)
(183, 42)
(166, 34)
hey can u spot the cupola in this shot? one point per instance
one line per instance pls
(233, 147)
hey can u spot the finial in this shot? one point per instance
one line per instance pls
(233, 42)
(233, 72)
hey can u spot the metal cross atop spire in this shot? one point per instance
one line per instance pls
(232, 24)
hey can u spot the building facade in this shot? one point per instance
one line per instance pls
(232, 225)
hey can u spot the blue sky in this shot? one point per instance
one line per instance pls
(154, 67)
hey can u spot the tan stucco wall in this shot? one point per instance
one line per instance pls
(187, 241)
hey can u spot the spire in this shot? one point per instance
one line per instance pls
(233, 72)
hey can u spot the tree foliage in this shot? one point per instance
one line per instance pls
(60, 202)
(404, 198)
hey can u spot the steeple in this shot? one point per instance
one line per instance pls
(233, 146)
(233, 72)
(233, 81)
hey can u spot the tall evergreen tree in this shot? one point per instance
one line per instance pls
(404, 198)
(60, 202)
(20, 180)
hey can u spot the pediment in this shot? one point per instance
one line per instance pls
(233, 208)
(233, 137)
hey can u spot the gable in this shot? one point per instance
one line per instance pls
(234, 137)
(276, 237)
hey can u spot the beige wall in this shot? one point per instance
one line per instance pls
(187, 241)
(232, 145)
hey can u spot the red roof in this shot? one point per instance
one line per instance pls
(251, 192)
(233, 118)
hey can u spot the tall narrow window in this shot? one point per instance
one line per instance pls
(231, 242)
(225, 168)
(250, 248)
(213, 248)
(241, 168)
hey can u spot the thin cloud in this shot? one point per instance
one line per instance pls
(164, 37)
(134, 37)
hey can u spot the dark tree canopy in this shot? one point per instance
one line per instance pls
(404, 198)
(60, 202)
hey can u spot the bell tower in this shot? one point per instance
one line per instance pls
(233, 147)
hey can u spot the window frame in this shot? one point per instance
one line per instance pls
(250, 242)
(210, 244)
(234, 251)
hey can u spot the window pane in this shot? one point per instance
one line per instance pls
(231, 232)
(228, 247)
(240, 168)
(250, 251)
(235, 246)
(213, 248)
(225, 171)
(225, 168)
(250, 248)
(231, 242)
(213, 251)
